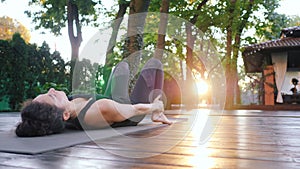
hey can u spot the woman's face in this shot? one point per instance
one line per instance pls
(53, 97)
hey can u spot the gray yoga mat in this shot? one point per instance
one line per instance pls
(10, 143)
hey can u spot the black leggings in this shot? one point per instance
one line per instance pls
(148, 86)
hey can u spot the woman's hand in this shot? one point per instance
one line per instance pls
(158, 105)
(157, 111)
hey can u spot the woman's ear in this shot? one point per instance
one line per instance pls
(66, 115)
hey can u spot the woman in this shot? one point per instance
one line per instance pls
(50, 112)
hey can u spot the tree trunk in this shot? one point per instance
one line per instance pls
(228, 72)
(123, 5)
(75, 40)
(73, 18)
(236, 48)
(199, 64)
(228, 59)
(164, 10)
(190, 92)
(134, 41)
(109, 60)
(192, 96)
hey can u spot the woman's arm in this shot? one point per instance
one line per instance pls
(111, 111)
(116, 112)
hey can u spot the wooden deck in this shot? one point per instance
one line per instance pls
(242, 139)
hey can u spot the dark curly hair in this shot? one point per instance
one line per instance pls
(39, 119)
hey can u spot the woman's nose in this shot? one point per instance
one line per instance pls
(51, 90)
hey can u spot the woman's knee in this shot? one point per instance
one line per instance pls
(121, 68)
(153, 63)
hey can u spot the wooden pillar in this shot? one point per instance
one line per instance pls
(268, 85)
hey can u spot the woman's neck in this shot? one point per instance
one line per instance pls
(76, 106)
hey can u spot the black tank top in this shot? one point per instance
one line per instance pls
(78, 122)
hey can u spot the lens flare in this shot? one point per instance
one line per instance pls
(202, 87)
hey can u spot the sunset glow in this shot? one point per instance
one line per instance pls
(202, 87)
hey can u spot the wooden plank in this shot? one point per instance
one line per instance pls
(255, 140)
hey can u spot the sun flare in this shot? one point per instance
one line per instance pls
(202, 87)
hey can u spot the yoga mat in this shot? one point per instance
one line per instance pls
(10, 143)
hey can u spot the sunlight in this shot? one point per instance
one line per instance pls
(201, 154)
(202, 87)
(202, 158)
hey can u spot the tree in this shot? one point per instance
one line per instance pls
(233, 18)
(132, 50)
(9, 26)
(160, 44)
(190, 42)
(110, 59)
(54, 14)
(16, 71)
(294, 21)
(238, 15)
(87, 73)
(5, 53)
(45, 69)
(26, 69)
(271, 26)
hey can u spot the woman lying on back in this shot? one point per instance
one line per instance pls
(49, 113)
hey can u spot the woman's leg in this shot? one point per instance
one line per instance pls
(117, 86)
(148, 86)
(149, 83)
(117, 89)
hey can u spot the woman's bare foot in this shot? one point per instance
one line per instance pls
(160, 117)
(157, 111)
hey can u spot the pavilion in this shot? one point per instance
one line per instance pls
(278, 61)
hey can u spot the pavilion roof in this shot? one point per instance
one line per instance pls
(283, 43)
(255, 54)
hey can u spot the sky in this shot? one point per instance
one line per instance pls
(15, 9)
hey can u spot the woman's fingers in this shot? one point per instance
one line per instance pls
(157, 98)
(157, 104)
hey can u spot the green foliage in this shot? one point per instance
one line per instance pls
(52, 14)
(294, 21)
(100, 85)
(16, 71)
(5, 52)
(271, 28)
(87, 77)
(44, 88)
(26, 70)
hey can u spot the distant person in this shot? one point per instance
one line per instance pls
(295, 83)
(51, 112)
